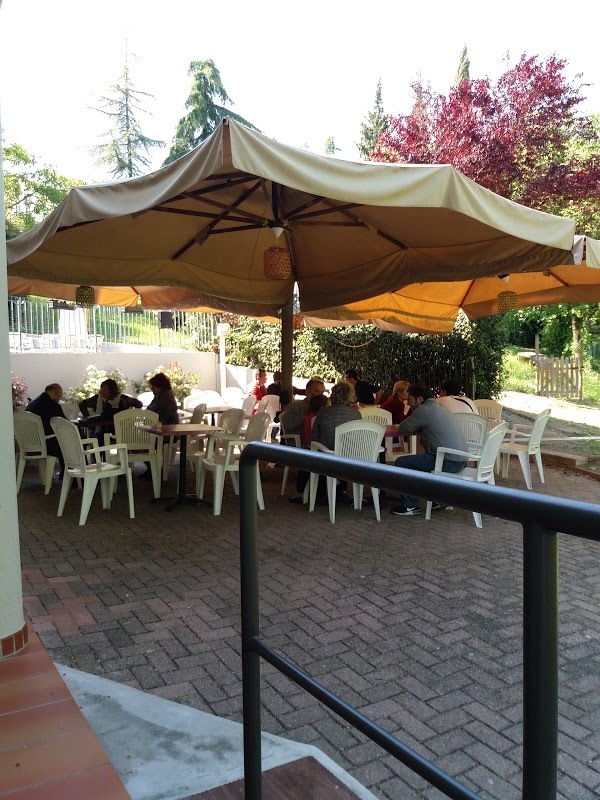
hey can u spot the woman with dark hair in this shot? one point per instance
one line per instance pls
(164, 403)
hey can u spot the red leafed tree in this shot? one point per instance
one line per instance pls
(521, 137)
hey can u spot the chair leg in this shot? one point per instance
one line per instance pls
(64, 493)
(259, 492)
(357, 494)
(331, 497)
(538, 463)
(375, 496)
(89, 489)
(524, 461)
(235, 481)
(505, 458)
(428, 509)
(21, 460)
(286, 472)
(313, 482)
(200, 480)
(107, 489)
(129, 482)
(155, 471)
(50, 467)
(219, 480)
(477, 518)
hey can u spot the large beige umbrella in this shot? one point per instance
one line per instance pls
(200, 227)
(433, 307)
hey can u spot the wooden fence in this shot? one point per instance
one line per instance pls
(559, 377)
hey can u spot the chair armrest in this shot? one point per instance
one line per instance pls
(291, 437)
(320, 448)
(91, 441)
(513, 435)
(443, 451)
(50, 436)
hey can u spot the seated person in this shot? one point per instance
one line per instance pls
(342, 409)
(108, 402)
(47, 405)
(258, 389)
(315, 404)
(451, 397)
(164, 402)
(397, 404)
(366, 393)
(292, 419)
(438, 429)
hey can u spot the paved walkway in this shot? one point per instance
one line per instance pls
(416, 623)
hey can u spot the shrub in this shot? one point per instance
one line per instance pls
(181, 382)
(91, 384)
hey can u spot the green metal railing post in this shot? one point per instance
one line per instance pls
(250, 631)
(540, 662)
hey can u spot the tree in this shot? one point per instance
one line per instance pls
(330, 148)
(204, 114)
(30, 192)
(126, 151)
(464, 66)
(376, 123)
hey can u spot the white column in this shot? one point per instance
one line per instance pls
(11, 593)
(222, 331)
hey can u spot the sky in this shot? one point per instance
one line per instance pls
(300, 72)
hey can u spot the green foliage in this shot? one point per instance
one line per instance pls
(380, 357)
(31, 192)
(126, 151)
(376, 123)
(330, 148)
(181, 382)
(554, 324)
(94, 376)
(464, 67)
(518, 374)
(204, 114)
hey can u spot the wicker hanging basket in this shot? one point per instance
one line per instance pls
(507, 301)
(277, 264)
(297, 322)
(85, 296)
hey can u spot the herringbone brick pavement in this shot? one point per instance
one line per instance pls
(416, 623)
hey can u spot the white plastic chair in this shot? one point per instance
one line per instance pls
(272, 405)
(523, 445)
(359, 440)
(193, 399)
(31, 440)
(141, 445)
(474, 428)
(70, 410)
(491, 410)
(226, 462)
(213, 398)
(230, 424)
(290, 440)
(76, 467)
(233, 396)
(482, 473)
(376, 414)
(146, 398)
(248, 405)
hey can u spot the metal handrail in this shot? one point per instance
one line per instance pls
(541, 517)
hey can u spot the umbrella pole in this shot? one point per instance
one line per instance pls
(287, 347)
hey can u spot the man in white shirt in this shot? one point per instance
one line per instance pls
(451, 397)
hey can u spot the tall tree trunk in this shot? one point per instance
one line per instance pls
(575, 333)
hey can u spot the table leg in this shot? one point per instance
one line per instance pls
(181, 496)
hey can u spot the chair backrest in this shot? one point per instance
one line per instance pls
(489, 452)
(269, 403)
(258, 425)
(360, 439)
(473, 426)
(233, 396)
(248, 405)
(537, 431)
(69, 441)
(490, 409)
(127, 426)
(29, 433)
(231, 420)
(212, 398)
(193, 400)
(146, 398)
(198, 413)
(375, 414)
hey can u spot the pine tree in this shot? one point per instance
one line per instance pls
(126, 151)
(464, 65)
(204, 115)
(375, 124)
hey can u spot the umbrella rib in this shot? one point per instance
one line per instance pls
(321, 211)
(556, 278)
(462, 302)
(203, 235)
(359, 221)
(304, 206)
(190, 213)
(217, 204)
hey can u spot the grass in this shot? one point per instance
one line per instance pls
(518, 375)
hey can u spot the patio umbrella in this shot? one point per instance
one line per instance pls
(201, 226)
(433, 307)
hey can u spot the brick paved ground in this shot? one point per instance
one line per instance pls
(416, 623)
